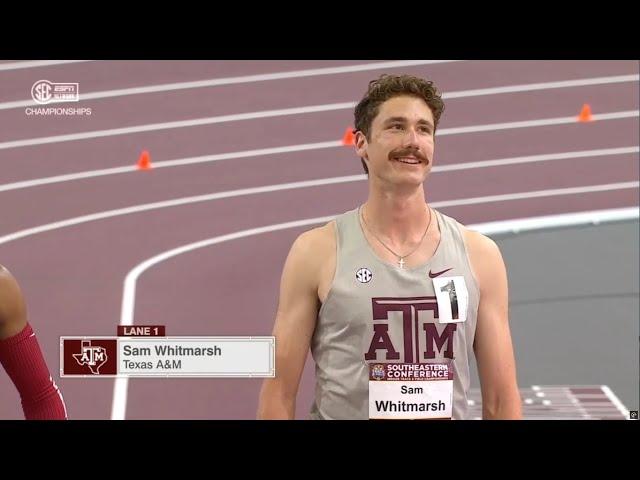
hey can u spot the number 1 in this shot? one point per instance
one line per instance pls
(453, 298)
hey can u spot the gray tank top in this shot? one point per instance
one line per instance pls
(371, 302)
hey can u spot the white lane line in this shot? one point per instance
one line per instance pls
(533, 158)
(275, 113)
(170, 163)
(36, 182)
(616, 401)
(539, 194)
(36, 63)
(555, 221)
(581, 82)
(297, 185)
(174, 203)
(531, 87)
(121, 385)
(151, 127)
(215, 82)
(536, 123)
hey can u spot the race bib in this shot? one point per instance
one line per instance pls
(410, 391)
(452, 297)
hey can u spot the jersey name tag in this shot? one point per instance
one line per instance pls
(453, 299)
(410, 391)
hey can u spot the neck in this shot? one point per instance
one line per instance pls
(400, 216)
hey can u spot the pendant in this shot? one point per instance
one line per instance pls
(401, 262)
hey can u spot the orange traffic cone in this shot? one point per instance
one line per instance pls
(585, 114)
(348, 138)
(144, 162)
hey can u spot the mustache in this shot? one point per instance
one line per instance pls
(406, 152)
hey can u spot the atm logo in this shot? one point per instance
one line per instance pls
(89, 357)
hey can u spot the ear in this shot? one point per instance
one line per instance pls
(361, 145)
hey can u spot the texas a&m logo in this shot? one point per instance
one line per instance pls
(84, 356)
(422, 339)
(92, 356)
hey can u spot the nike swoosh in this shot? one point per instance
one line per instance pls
(437, 274)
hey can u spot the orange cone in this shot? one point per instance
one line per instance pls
(348, 138)
(585, 114)
(144, 162)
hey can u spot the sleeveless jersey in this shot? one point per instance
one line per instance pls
(377, 312)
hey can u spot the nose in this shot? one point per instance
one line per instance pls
(411, 138)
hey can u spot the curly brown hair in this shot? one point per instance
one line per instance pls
(388, 86)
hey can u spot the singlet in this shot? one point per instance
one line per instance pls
(375, 311)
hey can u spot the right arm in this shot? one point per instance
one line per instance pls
(294, 325)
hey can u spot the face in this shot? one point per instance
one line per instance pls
(400, 149)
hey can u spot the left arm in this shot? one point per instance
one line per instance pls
(493, 346)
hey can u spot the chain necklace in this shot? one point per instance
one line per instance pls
(401, 258)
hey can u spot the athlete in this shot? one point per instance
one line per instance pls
(394, 290)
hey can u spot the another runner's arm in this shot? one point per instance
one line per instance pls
(22, 359)
(294, 325)
(13, 312)
(493, 345)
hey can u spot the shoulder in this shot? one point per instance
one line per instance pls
(479, 244)
(311, 249)
(315, 242)
(11, 301)
(479, 247)
(484, 255)
(9, 290)
(309, 260)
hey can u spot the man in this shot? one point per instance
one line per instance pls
(394, 290)
(21, 357)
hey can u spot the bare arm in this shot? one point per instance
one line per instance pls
(13, 312)
(493, 346)
(294, 325)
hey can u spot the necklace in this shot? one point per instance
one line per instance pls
(401, 258)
